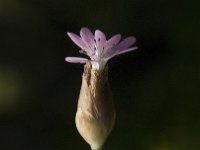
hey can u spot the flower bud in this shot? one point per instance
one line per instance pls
(95, 114)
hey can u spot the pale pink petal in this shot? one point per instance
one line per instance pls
(76, 60)
(100, 39)
(126, 43)
(114, 40)
(122, 47)
(127, 50)
(87, 37)
(77, 40)
(121, 52)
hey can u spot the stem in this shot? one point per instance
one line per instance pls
(98, 148)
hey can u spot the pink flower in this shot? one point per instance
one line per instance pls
(98, 48)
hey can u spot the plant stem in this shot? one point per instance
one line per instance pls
(98, 149)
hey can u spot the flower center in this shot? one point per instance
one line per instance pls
(99, 52)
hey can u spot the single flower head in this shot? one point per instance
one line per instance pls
(98, 48)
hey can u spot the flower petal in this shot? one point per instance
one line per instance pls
(88, 37)
(77, 40)
(122, 47)
(76, 60)
(127, 50)
(100, 39)
(126, 43)
(121, 52)
(114, 40)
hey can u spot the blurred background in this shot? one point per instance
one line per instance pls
(155, 87)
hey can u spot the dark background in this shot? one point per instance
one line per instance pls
(156, 88)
